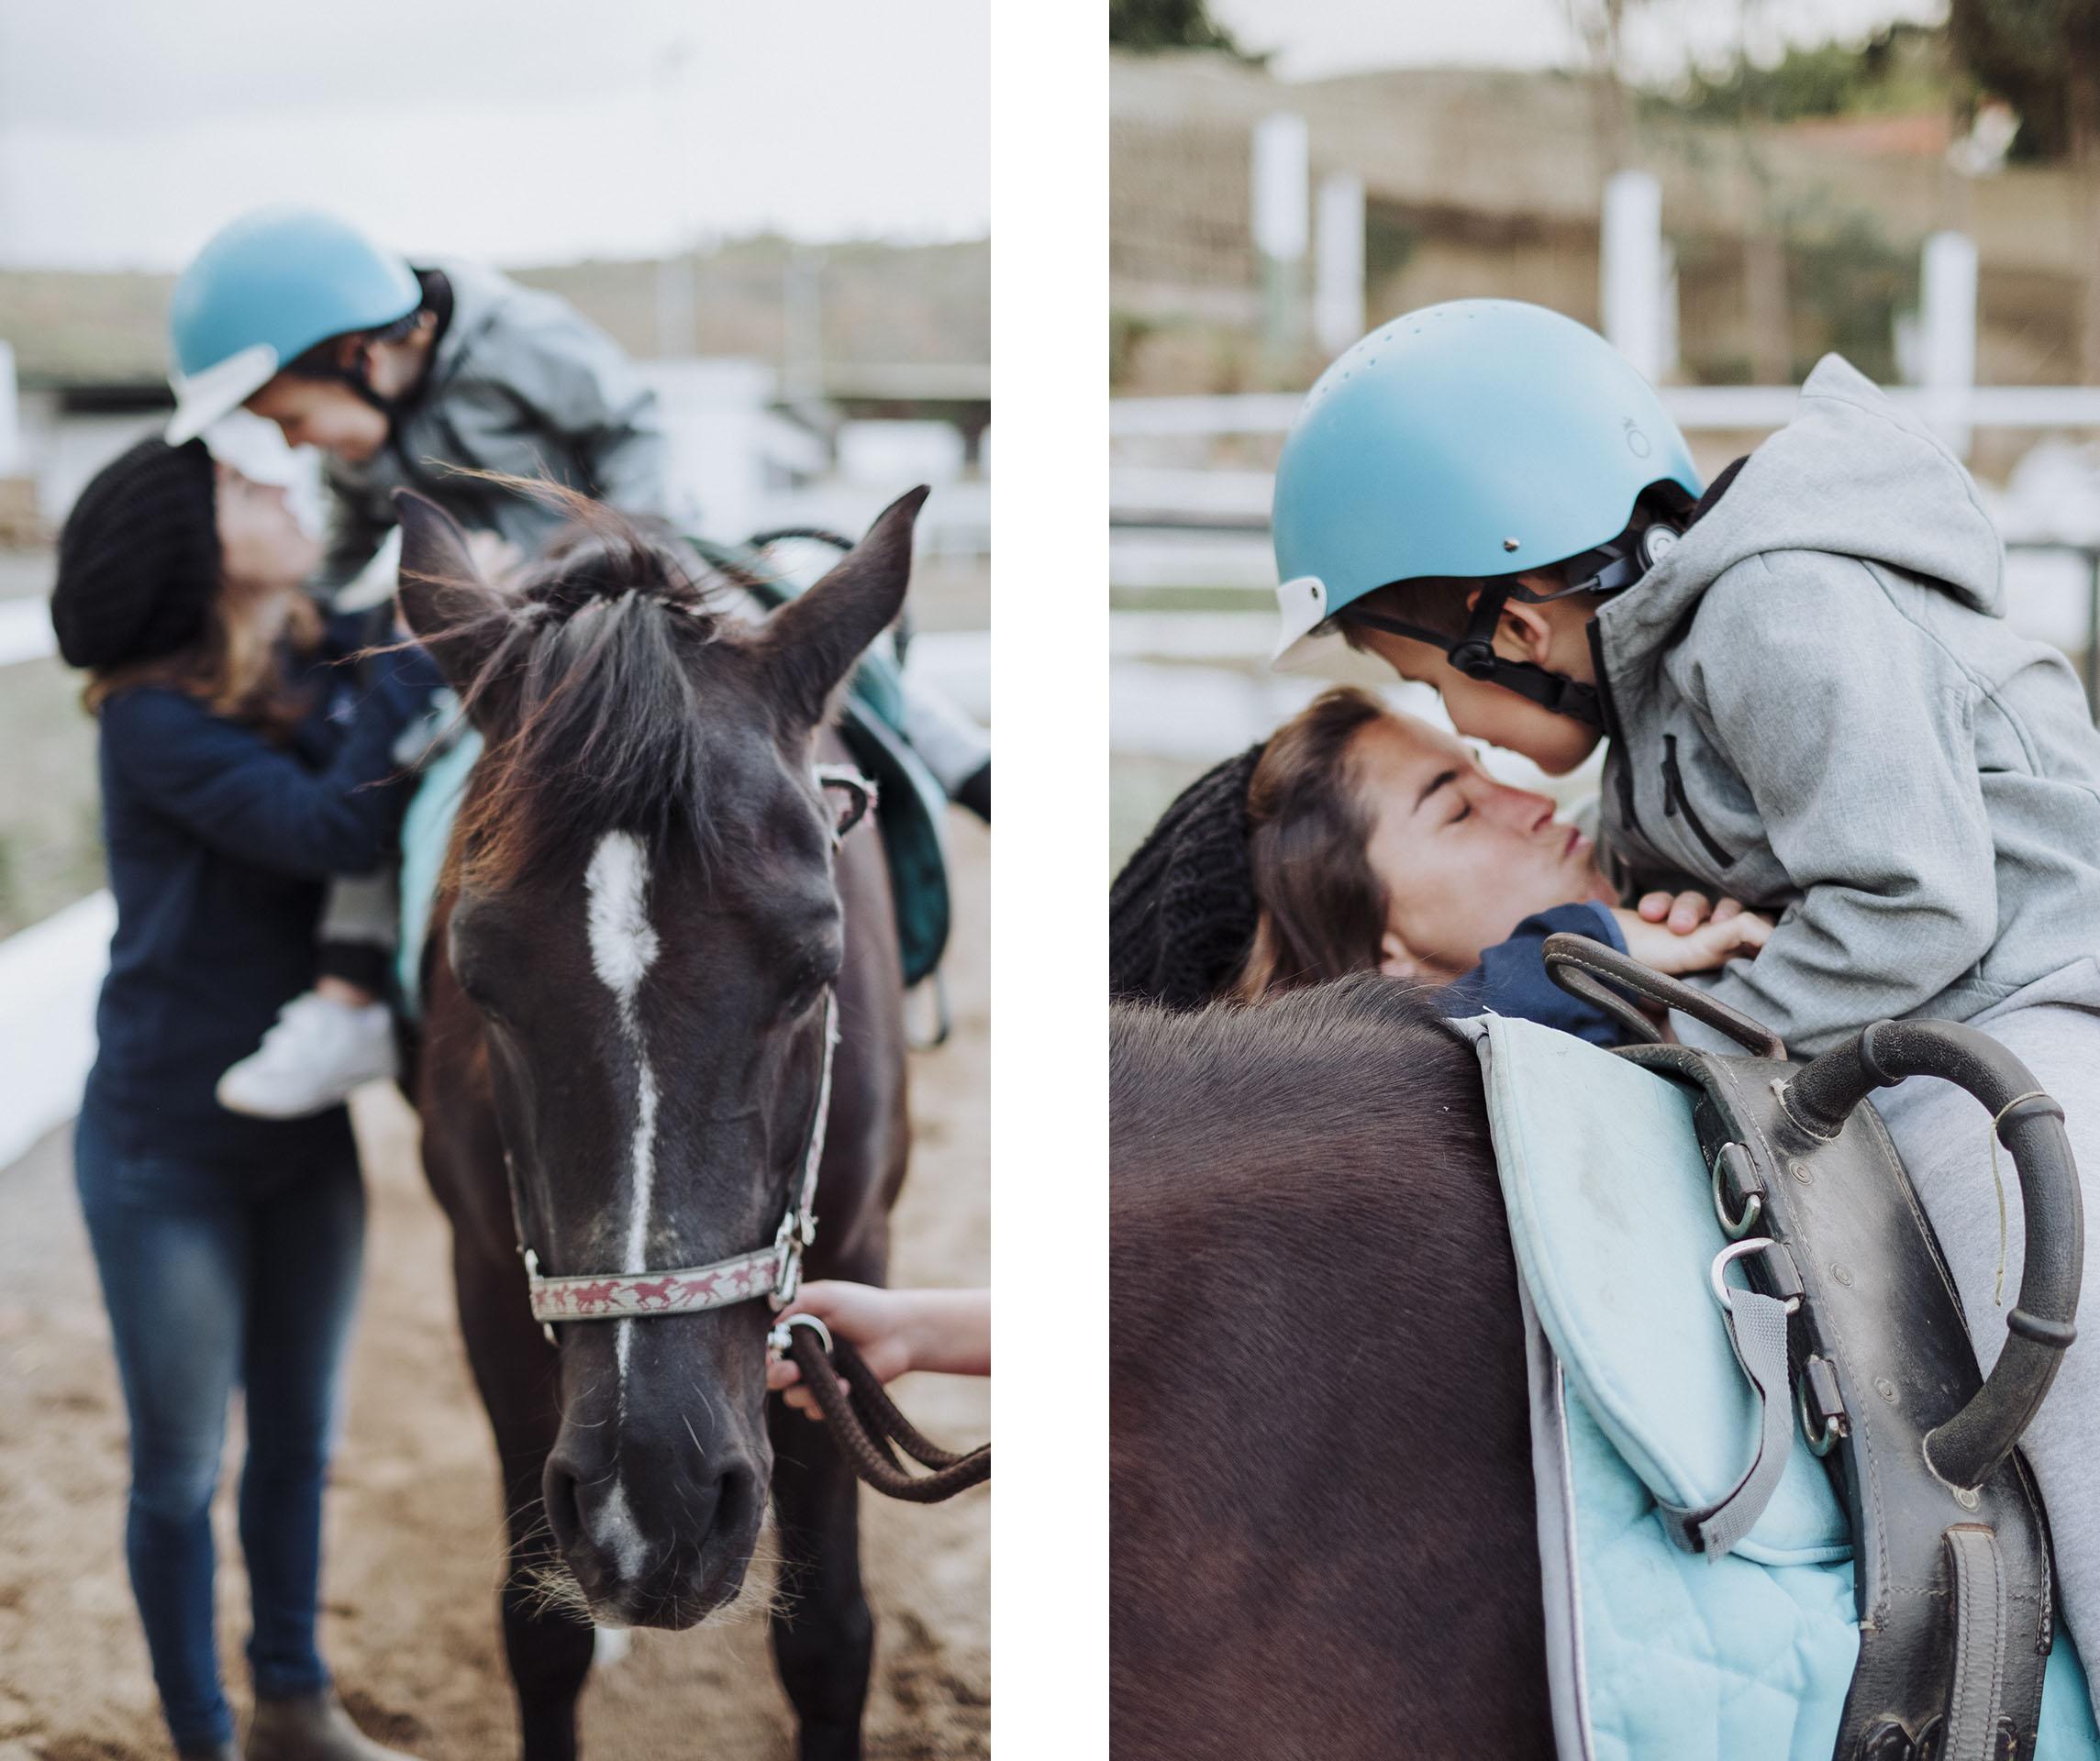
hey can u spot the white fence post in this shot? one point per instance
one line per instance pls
(1283, 162)
(10, 414)
(1633, 274)
(1947, 319)
(1338, 262)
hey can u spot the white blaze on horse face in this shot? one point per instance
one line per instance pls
(623, 941)
(623, 947)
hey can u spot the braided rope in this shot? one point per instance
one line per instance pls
(864, 1421)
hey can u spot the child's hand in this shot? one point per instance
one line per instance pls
(1685, 911)
(1728, 932)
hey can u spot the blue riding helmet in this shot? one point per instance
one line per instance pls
(1473, 440)
(262, 293)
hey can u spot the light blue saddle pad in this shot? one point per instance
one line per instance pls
(426, 834)
(1656, 1653)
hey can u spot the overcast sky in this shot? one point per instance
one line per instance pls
(1313, 38)
(520, 130)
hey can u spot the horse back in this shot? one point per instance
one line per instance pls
(1322, 1525)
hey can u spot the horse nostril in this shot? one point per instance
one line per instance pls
(563, 1515)
(735, 1493)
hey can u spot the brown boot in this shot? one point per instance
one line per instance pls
(311, 1727)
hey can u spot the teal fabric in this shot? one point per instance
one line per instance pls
(1613, 1228)
(1748, 1655)
(426, 834)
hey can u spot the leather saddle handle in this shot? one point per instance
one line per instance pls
(1965, 1449)
(1588, 969)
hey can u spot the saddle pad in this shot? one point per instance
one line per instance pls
(426, 834)
(1656, 1653)
(1612, 1223)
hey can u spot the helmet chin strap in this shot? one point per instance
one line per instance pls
(1474, 654)
(358, 376)
(1609, 568)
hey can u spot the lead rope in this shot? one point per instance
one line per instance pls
(865, 1421)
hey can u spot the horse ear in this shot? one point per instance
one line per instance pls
(458, 617)
(812, 642)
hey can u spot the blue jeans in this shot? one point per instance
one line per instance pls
(220, 1275)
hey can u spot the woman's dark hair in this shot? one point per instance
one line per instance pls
(1323, 908)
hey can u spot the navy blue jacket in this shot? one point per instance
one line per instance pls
(1511, 977)
(220, 843)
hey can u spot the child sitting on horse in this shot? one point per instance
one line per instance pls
(1813, 701)
(1357, 839)
(429, 379)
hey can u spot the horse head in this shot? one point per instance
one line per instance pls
(641, 907)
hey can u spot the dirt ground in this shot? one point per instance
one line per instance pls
(415, 1540)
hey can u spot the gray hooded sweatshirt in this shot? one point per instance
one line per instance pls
(1815, 706)
(519, 384)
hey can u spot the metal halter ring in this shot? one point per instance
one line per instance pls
(1717, 1272)
(782, 1334)
(1735, 1228)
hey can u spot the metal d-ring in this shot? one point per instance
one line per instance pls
(782, 1333)
(1818, 1447)
(1717, 1272)
(1735, 1228)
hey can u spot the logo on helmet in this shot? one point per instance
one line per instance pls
(1636, 441)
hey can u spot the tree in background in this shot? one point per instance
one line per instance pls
(2043, 58)
(1168, 24)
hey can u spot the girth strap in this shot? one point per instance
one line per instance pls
(1757, 1328)
(1977, 1691)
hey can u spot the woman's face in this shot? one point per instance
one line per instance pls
(1463, 858)
(262, 547)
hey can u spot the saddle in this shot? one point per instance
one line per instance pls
(1880, 1592)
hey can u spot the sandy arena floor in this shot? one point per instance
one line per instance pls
(414, 1538)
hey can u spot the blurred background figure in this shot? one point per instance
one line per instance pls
(1726, 189)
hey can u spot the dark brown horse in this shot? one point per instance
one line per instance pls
(644, 913)
(1322, 1537)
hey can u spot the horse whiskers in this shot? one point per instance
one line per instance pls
(554, 1589)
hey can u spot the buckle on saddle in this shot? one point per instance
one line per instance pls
(1784, 1274)
(1735, 1176)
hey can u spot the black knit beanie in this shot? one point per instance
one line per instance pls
(1182, 914)
(139, 559)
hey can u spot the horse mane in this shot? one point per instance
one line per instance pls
(603, 725)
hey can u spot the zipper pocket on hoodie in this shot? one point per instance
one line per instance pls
(1675, 801)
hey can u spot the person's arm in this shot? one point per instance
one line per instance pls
(1852, 729)
(257, 803)
(573, 379)
(1511, 977)
(949, 1332)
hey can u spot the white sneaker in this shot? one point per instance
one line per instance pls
(311, 1060)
